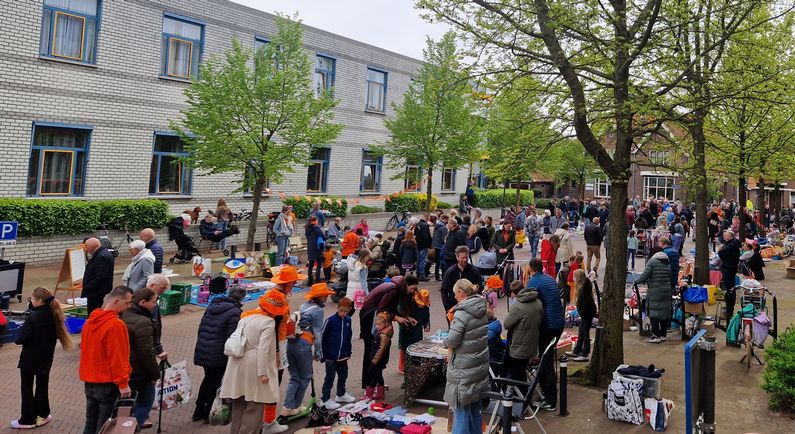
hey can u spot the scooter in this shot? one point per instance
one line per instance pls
(311, 406)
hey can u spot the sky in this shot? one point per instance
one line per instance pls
(390, 24)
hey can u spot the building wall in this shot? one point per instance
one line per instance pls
(125, 101)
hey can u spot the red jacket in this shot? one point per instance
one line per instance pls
(574, 266)
(105, 349)
(548, 257)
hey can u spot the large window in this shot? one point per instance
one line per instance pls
(376, 90)
(658, 158)
(58, 160)
(601, 187)
(168, 174)
(317, 174)
(448, 179)
(69, 29)
(181, 47)
(323, 80)
(371, 172)
(413, 178)
(658, 186)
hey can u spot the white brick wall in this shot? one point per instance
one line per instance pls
(125, 101)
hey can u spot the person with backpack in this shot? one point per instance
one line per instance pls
(43, 327)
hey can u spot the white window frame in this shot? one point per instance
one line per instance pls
(648, 185)
(452, 172)
(601, 185)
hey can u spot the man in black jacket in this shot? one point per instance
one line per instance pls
(729, 254)
(98, 276)
(455, 237)
(461, 269)
(148, 236)
(593, 242)
(422, 234)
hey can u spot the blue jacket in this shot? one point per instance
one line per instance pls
(157, 250)
(549, 294)
(219, 321)
(673, 258)
(496, 345)
(337, 335)
(314, 242)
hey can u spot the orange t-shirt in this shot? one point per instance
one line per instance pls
(349, 244)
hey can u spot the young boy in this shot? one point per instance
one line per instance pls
(337, 334)
(379, 357)
(391, 272)
(328, 260)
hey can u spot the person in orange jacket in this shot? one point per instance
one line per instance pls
(549, 250)
(350, 242)
(105, 358)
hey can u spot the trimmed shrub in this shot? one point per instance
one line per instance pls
(303, 205)
(542, 203)
(443, 205)
(493, 198)
(70, 217)
(413, 202)
(364, 209)
(779, 377)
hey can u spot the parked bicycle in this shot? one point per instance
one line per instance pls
(400, 217)
(105, 240)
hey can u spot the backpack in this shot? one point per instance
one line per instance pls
(295, 318)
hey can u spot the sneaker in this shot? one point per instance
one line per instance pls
(289, 412)
(571, 354)
(579, 358)
(663, 338)
(274, 428)
(41, 421)
(16, 425)
(347, 398)
(654, 340)
(543, 405)
(330, 405)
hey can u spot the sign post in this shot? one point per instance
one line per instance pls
(8, 236)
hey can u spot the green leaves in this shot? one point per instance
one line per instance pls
(303, 204)
(410, 202)
(779, 376)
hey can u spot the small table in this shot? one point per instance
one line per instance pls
(425, 360)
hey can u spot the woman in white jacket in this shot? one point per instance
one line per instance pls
(566, 249)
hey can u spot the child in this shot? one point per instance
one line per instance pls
(408, 253)
(493, 283)
(337, 334)
(632, 248)
(516, 287)
(496, 344)
(391, 272)
(418, 309)
(328, 261)
(575, 263)
(586, 307)
(379, 357)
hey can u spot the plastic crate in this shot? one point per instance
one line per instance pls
(170, 302)
(14, 329)
(184, 288)
(76, 312)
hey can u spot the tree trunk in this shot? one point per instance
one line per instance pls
(696, 127)
(259, 185)
(581, 188)
(518, 197)
(429, 190)
(741, 198)
(775, 202)
(760, 198)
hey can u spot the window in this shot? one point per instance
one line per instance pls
(260, 42)
(181, 47)
(658, 186)
(58, 160)
(168, 174)
(376, 90)
(69, 29)
(413, 178)
(317, 175)
(371, 172)
(658, 158)
(250, 181)
(601, 187)
(323, 80)
(448, 179)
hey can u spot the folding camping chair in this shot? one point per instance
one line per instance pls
(503, 413)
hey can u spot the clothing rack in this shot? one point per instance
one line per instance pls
(513, 269)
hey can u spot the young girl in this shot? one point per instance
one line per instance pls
(587, 310)
(357, 278)
(43, 327)
(632, 248)
(575, 263)
(408, 253)
(493, 284)
(379, 357)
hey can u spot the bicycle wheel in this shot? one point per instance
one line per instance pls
(392, 223)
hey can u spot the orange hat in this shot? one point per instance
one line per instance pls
(274, 302)
(494, 282)
(422, 298)
(318, 290)
(287, 274)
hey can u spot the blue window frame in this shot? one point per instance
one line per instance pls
(181, 47)
(317, 173)
(448, 179)
(413, 179)
(58, 159)
(168, 174)
(376, 90)
(323, 80)
(69, 29)
(372, 165)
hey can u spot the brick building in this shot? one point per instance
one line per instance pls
(88, 88)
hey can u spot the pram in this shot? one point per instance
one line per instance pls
(185, 244)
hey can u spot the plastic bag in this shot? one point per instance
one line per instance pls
(657, 412)
(221, 410)
(176, 386)
(696, 294)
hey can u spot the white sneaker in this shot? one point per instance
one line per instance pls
(347, 398)
(274, 428)
(653, 340)
(330, 405)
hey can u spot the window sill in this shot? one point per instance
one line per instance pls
(375, 112)
(250, 196)
(316, 193)
(177, 79)
(369, 193)
(448, 191)
(170, 196)
(56, 197)
(67, 61)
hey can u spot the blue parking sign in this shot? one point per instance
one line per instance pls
(8, 234)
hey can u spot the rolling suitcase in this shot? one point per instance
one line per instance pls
(122, 420)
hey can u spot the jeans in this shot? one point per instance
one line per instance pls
(583, 347)
(547, 379)
(468, 419)
(309, 266)
(144, 399)
(533, 245)
(281, 248)
(422, 257)
(220, 225)
(659, 327)
(210, 385)
(34, 403)
(631, 257)
(299, 357)
(340, 369)
(100, 398)
(441, 267)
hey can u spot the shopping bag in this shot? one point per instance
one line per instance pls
(624, 400)
(657, 412)
(696, 294)
(201, 266)
(176, 386)
(520, 237)
(221, 410)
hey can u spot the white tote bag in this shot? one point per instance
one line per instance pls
(176, 386)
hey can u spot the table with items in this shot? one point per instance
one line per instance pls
(426, 362)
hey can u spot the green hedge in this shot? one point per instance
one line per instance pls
(493, 198)
(364, 209)
(413, 202)
(443, 205)
(70, 217)
(779, 377)
(303, 205)
(542, 203)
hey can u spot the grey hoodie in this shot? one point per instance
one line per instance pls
(468, 365)
(523, 324)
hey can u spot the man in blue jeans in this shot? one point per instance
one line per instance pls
(551, 329)
(533, 229)
(437, 242)
(422, 234)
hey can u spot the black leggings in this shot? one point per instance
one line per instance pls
(376, 375)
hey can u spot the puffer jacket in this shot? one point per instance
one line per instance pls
(219, 321)
(657, 275)
(523, 324)
(468, 365)
(673, 260)
(141, 332)
(549, 294)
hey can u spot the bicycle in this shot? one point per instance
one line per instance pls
(105, 240)
(399, 217)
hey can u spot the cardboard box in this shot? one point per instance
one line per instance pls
(709, 326)
(695, 308)
(563, 347)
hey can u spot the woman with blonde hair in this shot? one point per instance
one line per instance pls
(43, 327)
(586, 307)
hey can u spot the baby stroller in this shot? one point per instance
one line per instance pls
(185, 244)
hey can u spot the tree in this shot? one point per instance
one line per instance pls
(568, 162)
(436, 125)
(261, 120)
